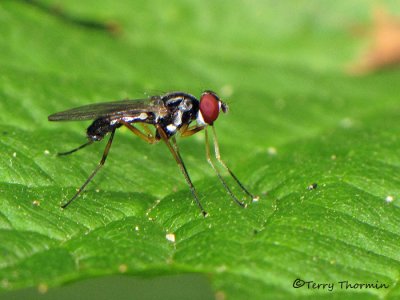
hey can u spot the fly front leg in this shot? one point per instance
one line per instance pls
(230, 193)
(186, 131)
(218, 157)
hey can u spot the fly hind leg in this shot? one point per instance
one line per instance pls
(95, 132)
(75, 149)
(101, 163)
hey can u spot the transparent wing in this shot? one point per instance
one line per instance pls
(117, 108)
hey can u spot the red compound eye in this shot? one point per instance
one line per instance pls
(209, 107)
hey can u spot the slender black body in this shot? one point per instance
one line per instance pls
(169, 114)
(170, 111)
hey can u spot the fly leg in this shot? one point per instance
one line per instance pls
(149, 138)
(101, 163)
(175, 153)
(147, 130)
(76, 149)
(188, 131)
(230, 193)
(218, 157)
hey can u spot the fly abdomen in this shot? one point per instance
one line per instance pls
(99, 128)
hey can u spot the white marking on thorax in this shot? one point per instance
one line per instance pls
(200, 119)
(178, 119)
(171, 128)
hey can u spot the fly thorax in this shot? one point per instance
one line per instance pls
(182, 111)
(175, 123)
(188, 109)
(177, 120)
(171, 129)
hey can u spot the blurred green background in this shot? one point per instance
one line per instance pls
(297, 117)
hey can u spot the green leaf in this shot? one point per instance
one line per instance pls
(295, 119)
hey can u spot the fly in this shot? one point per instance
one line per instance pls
(169, 114)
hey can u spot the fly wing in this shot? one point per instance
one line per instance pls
(117, 108)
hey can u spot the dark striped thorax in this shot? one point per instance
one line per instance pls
(182, 109)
